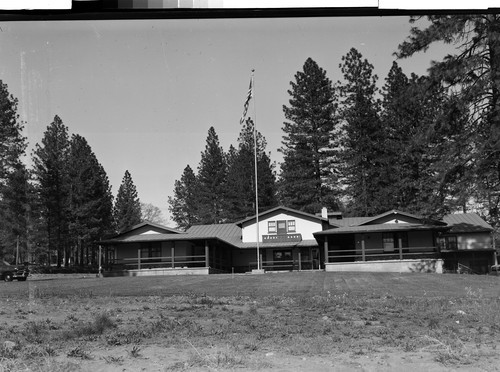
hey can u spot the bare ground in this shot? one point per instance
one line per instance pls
(283, 322)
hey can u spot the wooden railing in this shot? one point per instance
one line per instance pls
(373, 254)
(288, 265)
(161, 262)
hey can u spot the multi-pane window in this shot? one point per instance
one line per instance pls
(394, 240)
(150, 250)
(388, 239)
(448, 243)
(281, 227)
(452, 242)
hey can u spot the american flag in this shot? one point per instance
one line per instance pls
(247, 101)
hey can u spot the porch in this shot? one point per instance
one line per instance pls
(170, 258)
(288, 259)
(386, 251)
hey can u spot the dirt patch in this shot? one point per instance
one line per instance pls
(298, 330)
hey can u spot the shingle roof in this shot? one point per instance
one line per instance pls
(379, 228)
(466, 222)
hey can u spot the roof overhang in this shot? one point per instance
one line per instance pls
(381, 228)
(158, 238)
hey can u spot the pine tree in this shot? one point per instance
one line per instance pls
(240, 191)
(91, 201)
(211, 181)
(362, 138)
(15, 213)
(472, 77)
(12, 143)
(127, 211)
(13, 176)
(307, 179)
(53, 187)
(412, 109)
(183, 205)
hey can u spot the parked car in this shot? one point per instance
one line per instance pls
(10, 272)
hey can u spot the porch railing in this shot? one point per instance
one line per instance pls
(286, 265)
(374, 254)
(160, 262)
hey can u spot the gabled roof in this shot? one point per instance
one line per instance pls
(452, 223)
(466, 222)
(152, 224)
(396, 214)
(284, 209)
(164, 230)
(229, 233)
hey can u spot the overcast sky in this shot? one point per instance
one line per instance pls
(145, 92)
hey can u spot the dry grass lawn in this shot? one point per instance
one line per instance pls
(312, 321)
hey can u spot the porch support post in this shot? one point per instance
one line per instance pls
(172, 255)
(400, 243)
(139, 259)
(300, 261)
(363, 249)
(100, 261)
(206, 254)
(325, 246)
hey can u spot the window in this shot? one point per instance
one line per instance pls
(388, 242)
(282, 227)
(150, 250)
(392, 241)
(284, 255)
(448, 243)
(452, 243)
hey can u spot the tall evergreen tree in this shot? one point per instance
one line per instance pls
(472, 76)
(13, 175)
(183, 205)
(127, 211)
(91, 201)
(211, 181)
(307, 179)
(240, 191)
(412, 109)
(362, 138)
(53, 186)
(12, 143)
(15, 213)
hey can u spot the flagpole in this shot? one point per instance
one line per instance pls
(259, 264)
(250, 95)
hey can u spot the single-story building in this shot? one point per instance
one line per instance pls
(284, 239)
